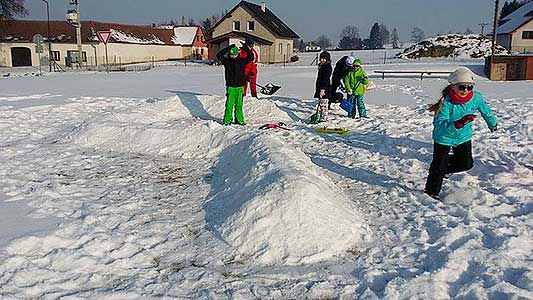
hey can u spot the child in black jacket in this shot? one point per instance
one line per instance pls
(234, 65)
(323, 85)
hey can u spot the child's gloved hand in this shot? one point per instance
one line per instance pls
(463, 121)
(493, 128)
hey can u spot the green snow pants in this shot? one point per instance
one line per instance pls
(234, 99)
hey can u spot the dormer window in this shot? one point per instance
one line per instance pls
(236, 25)
(251, 25)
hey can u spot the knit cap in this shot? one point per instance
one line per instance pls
(461, 75)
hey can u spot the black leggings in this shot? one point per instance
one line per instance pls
(443, 163)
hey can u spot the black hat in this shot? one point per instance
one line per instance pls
(249, 41)
(325, 55)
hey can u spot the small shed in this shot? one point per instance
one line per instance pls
(509, 67)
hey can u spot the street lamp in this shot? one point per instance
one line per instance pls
(48, 35)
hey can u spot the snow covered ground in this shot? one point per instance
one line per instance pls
(126, 186)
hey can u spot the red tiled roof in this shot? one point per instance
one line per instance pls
(63, 32)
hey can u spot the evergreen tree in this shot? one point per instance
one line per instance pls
(417, 35)
(508, 8)
(11, 8)
(375, 41)
(206, 24)
(191, 22)
(395, 39)
(468, 31)
(385, 34)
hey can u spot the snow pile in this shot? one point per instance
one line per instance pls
(273, 204)
(119, 36)
(154, 130)
(453, 45)
(268, 200)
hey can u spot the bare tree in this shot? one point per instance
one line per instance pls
(11, 8)
(350, 38)
(323, 41)
(395, 39)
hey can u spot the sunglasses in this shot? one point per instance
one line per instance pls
(463, 87)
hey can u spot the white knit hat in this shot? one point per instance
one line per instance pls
(350, 60)
(461, 75)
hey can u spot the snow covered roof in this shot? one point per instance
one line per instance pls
(184, 35)
(517, 19)
(135, 34)
(62, 32)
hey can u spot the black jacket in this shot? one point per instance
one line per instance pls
(323, 81)
(340, 71)
(234, 67)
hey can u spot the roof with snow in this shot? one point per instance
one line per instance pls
(267, 18)
(517, 19)
(63, 32)
(185, 35)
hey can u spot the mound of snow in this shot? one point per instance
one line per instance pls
(273, 204)
(453, 45)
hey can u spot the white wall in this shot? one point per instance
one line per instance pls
(117, 53)
(519, 44)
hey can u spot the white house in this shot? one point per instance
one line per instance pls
(516, 32)
(192, 39)
(127, 44)
(312, 47)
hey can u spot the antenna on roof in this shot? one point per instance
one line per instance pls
(264, 6)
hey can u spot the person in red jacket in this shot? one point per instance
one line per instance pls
(250, 70)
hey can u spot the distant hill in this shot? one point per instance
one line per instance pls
(453, 45)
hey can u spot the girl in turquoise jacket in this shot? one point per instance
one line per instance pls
(454, 114)
(355, 83)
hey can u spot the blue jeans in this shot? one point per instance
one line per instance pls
(358, 104)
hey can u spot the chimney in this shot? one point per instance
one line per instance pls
(263, 6)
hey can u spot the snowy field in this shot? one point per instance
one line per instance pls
(126, 186)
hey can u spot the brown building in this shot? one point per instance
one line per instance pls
(510, 67)
(274, 39)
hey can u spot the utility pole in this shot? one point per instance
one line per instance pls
(495, 32)
(73, 17)
(78, 34)
(48, 35)
(483, 28)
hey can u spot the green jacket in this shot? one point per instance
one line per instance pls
(356, 81)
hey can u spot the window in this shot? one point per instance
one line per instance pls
(251, 25)
(280, 48)
(237, 25)
(74, 55)
(527, 35)
(56, 56)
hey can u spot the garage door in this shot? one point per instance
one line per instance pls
(21, 57)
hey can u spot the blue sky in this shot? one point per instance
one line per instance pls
(309, 18)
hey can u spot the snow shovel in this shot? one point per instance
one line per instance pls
(268, 89)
